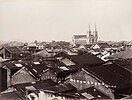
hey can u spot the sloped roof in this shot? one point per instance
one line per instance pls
(119, 70)
(125, 63)
(61, 54)
(127, 54)
(1, 60)
(64, 53)
(55, 70)
(94, 92)
(10, 96)
(42, 53)
(96, 46)
(88, 93)
(86, 59)
(54, 63)
(129, 43)
(110, 75)
(36, 69)
(37, 85)
(13, 64)
(45, 84)
(80, 36)
(13, 49)
(63, 88)
(103, 45)
(71, 70)
(88, 45)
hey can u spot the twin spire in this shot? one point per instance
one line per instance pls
(92, 36)
(95, 30)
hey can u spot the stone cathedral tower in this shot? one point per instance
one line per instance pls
(92, 37)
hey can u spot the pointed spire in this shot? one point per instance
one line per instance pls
(96, 34)
(89, 30)
(95, 31)
(89, 35)
(89, 27)
(95, 28)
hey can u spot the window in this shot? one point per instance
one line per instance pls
(36, 63)
(88, 82)
(99, 96)
(34, 70)
(94, 90)
(18, 65)
(84, 81)
(87, 95)
(64, 68)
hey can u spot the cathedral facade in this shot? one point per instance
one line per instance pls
(90, 38)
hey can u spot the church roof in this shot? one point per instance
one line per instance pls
(80, 36)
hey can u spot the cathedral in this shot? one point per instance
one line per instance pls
(90, 38)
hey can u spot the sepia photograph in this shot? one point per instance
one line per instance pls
(65, 49)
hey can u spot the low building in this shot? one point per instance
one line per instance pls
(90, 93)
(25, 89)
(8, 69)
(10, 53)
(84, 79)
(29, 73)
(110, 79)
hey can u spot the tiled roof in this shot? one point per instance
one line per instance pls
(16, 63)
(119, 70)
(36, 69)
(64, 53)
(110, 75)
(93, 92)
(88, 46)
(63, 88)
(13, 49)
(80, 36)
(54, 63)
(125, 63)
(55, 70)
(10, 96)
(42, 53)
(61, 73)
(90, 93)
(73, 67)
(61, 54)
(129, 43)
(127, 54)
(103, 45)
(86, 59)
(13, 64)
(45, 84)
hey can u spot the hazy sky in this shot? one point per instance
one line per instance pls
(47, 20)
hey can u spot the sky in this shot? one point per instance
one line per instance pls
(47, 20)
